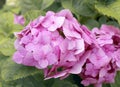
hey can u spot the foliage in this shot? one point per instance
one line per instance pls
(111, 10)
(92, 13)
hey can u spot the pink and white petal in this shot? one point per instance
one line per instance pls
(102, 72)
(80, 46)
(34, 31)
(48, 21)
(50, 13)
(85, 82)
(70, 57)
(64, 45)
(71, 44)
(46, 37)
(19, 19)
(77, 68)
(43, 63)
(46, 49)
(76, 34)
(59, 21)
(118, 63)
(52, 58)
(61, 74)
(17, 57)
(29, 60)
(17, 44)
(52, 27)
(25, 40)
(38, 54)
(38, 21)
(65, 13)
(30, 47)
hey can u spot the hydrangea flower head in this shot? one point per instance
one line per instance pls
(59, 45)
(103, 62)
(53, 39)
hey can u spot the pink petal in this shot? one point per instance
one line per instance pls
(19, 19)
(48, 21)
(28, 59)
(77, 68)
(102, 72)
(25, 40)
(34, 31)
(53, 27)
(52, 58)
(71, 44)
(61, 74)
(63, 46)
(46, 49)
(80, 46)
(59, 21)
(65, 13)
(70, 57)
(17, 57)
(38, 54)
(43, 63)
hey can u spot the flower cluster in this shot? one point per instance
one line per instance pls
(103, 62)
(59, 45)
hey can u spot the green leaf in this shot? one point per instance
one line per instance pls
(117, 81)
(106, 85)
(111, 10)
(2, 2)
(2, 59)
(29, 81)
(56, 6)
(49, 83)
(113, 23)
(6, 46)
(91, 23)
(31, 15)
(102, 20)
(63, 83)
(106, 2)
(6, 22)
(12, 71)
(46, 4)
(7, 26)
(80, 7)
(27, 5)
(108, 21)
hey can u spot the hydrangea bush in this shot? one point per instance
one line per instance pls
(60, 43)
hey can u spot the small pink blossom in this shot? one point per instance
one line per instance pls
(19, 19)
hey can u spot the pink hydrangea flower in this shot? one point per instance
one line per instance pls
(55, 39)
(108, 37)
(98, 69)
(19, 19)
(40, 47)
(73, 55)
(61, 46)
(103, 62)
